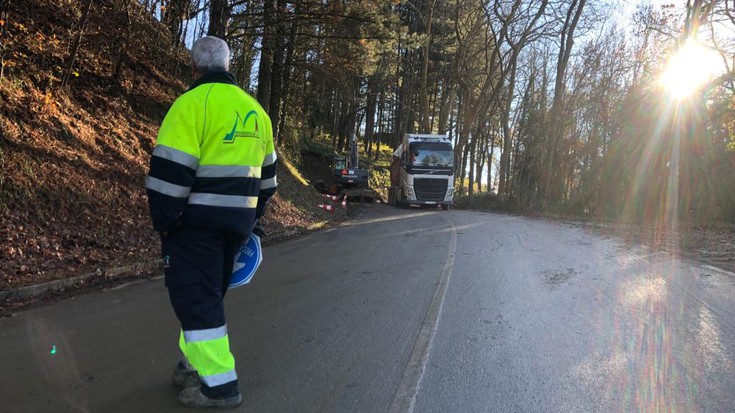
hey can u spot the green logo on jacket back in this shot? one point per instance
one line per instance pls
(245, 132)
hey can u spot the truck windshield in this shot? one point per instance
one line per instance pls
(431, 154)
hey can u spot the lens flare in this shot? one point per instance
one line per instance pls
(688, 69)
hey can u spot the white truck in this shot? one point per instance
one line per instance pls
(422, 171)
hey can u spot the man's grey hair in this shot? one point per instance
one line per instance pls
(210, 54)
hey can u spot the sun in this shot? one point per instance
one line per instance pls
(688, 69)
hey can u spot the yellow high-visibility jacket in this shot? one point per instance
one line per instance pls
(214, 164)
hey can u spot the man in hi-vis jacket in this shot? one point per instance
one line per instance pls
(211, 175)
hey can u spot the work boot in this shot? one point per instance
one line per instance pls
(184, 377)
(193, 397)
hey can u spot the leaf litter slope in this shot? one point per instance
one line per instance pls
(73, 162)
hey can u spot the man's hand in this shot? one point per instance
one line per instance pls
(258, 229)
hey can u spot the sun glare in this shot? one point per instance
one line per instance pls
(688, 69)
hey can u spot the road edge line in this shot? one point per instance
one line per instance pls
(37, 290)
(404, 399)
(718, 269)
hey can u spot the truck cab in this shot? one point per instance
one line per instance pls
(422, 172)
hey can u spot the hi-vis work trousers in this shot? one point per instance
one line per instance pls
(198, 265)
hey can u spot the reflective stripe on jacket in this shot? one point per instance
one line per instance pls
(214, 164)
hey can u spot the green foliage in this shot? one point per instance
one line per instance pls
(379, 171)
(379, 181)
(322, 147)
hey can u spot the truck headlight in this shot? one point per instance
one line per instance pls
(450, 194)
(410, 194)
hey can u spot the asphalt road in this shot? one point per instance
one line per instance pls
(409, 310)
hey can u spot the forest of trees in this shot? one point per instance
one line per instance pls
(552, 105)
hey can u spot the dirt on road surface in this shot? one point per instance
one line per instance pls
(713, 245)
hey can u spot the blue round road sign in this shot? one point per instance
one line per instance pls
(247, 260)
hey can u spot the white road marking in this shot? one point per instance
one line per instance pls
(720, 270)
(404, 399)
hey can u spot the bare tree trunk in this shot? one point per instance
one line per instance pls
(472, 107)
(77, 44)
(219, 13)
(490, 156)
(244, 54)
(424, 118)
(279, 53)
(122, 44)
(266, 56)
(447, 99)
(4, 9)
(346, 122)
(474, 162)
(372, 100)
(463, 164)
(158, 56)
(381, 115)
(201, 27)
(516, 168)
(335, 116)
(517, 46)
(173, 18)
(434, 108)
(287, 67)
(461, 137)
(504, 171)
(471, 169)
(553, 184)
(482, 153)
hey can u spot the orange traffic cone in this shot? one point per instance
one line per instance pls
(327, 208)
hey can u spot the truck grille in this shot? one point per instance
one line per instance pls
(430, 189)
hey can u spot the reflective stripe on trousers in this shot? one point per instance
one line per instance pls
(208, 352)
